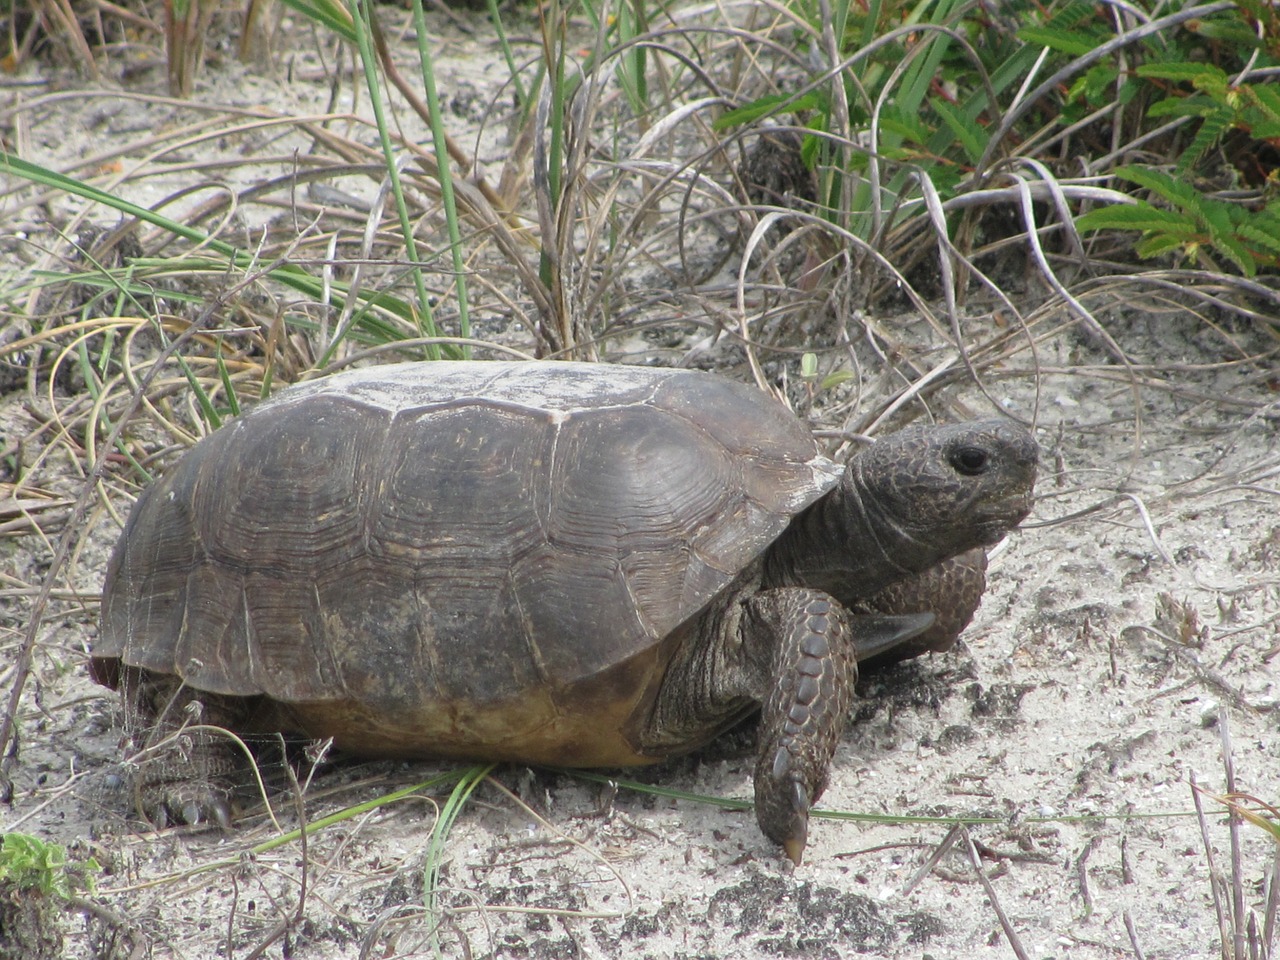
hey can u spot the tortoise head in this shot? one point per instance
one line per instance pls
(937, 491)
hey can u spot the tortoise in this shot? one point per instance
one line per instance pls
(550, 563)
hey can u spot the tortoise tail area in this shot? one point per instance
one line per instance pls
(105, 671)
(187, 767)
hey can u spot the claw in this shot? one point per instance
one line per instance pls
(167, 804)
(220, 812)
(800, 801)
(158, 817)
(781, 763)
(794, 845)
(875, 634)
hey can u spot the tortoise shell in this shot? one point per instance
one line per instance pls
(457, 559)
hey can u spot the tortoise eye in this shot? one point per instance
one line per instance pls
(970, 461)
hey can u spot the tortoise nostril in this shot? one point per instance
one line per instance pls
(970, 461)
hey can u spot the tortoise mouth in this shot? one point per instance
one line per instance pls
(993, 523)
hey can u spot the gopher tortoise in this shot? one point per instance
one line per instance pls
(549, 563)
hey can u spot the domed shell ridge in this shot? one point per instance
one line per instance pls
(630, 497)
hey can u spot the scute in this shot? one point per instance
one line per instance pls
(289, 492)
(460, 533)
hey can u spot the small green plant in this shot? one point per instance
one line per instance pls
(1198, 227)
(1220, 105)
(911, 78)
(953, 94)
(1188, 79)
(29, 863)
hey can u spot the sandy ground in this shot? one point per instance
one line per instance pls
(1128, 625)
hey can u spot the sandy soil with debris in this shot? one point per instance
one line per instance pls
(1128, 624)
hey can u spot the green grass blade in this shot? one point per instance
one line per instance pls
(920, 74)
(291, 275)
(228, 385)
(767, 106)
(364, 43)
(444, 173)
(348, 813)
(495, 17)
(10, 163)
(466, 785)
(330, 14)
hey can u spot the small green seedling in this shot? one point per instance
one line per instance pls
(29, 863)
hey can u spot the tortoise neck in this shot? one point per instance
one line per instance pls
(841, 545)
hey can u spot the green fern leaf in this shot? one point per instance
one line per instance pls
(1064, 41)
(1194, 106)
(1075, 12)
(1155, 246)
(1235, 34)
(908, 129)
(1217, 216)
(1168, 188)
(1137, 216)
(1193, 73)
(1237, 253)
(1097, 85)
(1220, 220)
(1262, 232)
(1267, 98)
(972, 137)
(1207, 137)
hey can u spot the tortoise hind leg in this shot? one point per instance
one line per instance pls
(186, 771)
(816, 645)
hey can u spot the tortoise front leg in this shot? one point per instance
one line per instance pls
(815, 644)
(951, 591)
